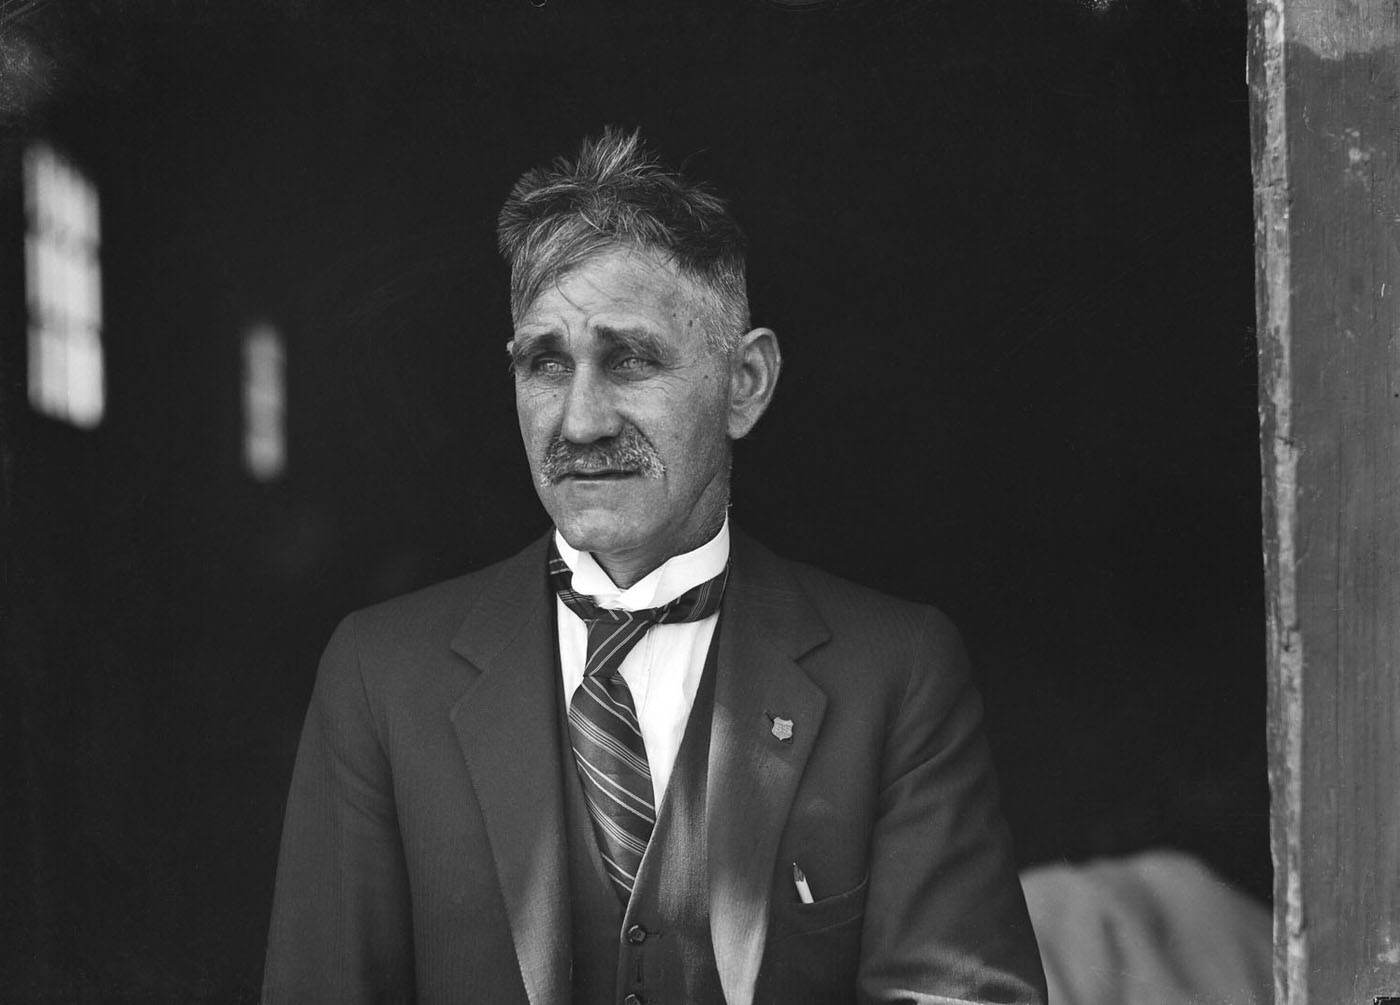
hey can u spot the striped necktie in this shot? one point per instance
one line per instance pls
(607, 740)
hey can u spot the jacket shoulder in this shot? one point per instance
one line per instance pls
(427, 619)
(917, 638)
(845, 604)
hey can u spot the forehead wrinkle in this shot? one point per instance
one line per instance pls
(645, 298)
(647, 277)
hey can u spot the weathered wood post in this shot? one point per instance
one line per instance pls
(1325, 85)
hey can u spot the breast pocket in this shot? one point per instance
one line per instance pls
(813, 951)
(795, 918)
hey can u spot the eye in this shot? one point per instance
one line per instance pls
(545, 364)
(632, 364)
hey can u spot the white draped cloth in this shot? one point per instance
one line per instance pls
(1157, 928)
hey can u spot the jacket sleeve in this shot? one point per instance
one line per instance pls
(341, 926)
(945, 917)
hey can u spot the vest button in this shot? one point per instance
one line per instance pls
(636, 935)
(632, 1000)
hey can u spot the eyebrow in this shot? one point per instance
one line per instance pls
(523, 345)
(632, 338)
(612, 336)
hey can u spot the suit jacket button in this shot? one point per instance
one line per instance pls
(632, 1000)
(636, 935)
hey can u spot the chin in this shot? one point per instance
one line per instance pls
(600, 533)
(614, 520)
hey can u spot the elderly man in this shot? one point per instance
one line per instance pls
(645, 760)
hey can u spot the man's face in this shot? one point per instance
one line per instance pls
(624, 410)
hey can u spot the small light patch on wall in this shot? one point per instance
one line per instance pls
(63, 289)
(264, 403)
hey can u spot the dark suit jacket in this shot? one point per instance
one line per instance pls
(423, 854)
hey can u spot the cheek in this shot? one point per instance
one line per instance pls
(699, 444)
(533, 413)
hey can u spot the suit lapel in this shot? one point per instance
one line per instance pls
(506, 726)
(766, 624)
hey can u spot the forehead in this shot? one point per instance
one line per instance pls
(621, 283)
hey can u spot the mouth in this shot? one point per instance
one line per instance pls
(600, 475)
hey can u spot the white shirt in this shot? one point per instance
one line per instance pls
(663, 670)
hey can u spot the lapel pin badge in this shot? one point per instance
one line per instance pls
(782, 728)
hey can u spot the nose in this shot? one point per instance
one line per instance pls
(590, 413)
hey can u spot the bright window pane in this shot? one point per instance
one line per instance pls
(264, 403)
(64, 289)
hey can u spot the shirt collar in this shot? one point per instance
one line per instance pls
(660, 586)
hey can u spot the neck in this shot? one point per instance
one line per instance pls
(628, 569)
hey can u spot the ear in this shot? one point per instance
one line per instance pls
(753, 374)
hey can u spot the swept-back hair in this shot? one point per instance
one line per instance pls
(615, 194)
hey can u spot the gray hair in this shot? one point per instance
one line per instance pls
(615, 194)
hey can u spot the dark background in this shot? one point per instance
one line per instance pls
(1007, 248)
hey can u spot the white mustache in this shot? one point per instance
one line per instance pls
(628, 452)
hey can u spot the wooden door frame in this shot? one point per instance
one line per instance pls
(1325, 112)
